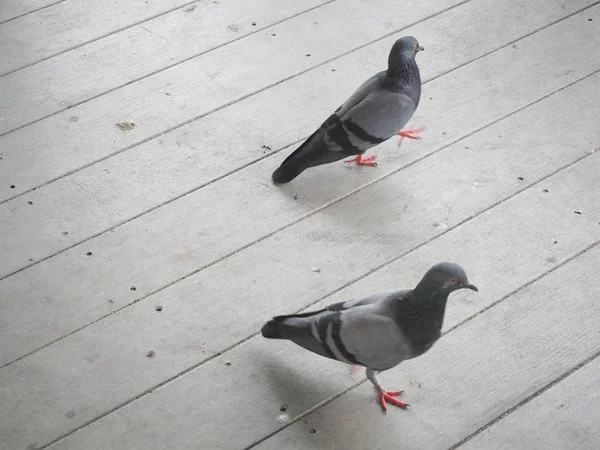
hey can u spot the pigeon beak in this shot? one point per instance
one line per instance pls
(471, 286)
(419, 48)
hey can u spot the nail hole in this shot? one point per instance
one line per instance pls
(203, 344)
(546, 191)
(158, 308)
(150, 354)
(228, 364)
(30, 260)
(520, 178)
(89, 253)
(313, 431)
(272, 34)
(283, 408)
(589, 20)
(12, 186)
(30, 203)
(308, 54)
(333, 70)
(253, 24)
(555, 242)
(132, 288)
(578, 212)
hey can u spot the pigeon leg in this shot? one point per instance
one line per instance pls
(383, 395)
(359, 160)
(411, 133)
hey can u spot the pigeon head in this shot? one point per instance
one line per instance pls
(404, 50)
(447, 277)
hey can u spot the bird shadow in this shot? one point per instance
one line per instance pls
(294, 387)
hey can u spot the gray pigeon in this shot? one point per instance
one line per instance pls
(380, 331)
(378, 109)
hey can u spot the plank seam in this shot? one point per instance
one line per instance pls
(468, 319)
(148, 75)
(32, 11)
(528, 399)
(231, 347)
(317, 210)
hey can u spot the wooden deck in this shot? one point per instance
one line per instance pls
(142, 243)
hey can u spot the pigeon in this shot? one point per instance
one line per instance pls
(380, 331)
(380, 107)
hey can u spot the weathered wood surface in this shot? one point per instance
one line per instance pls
(152, 253)
(196, 87)
(59, 83)
(263, 375)
(275, 275)
(566, 416)
(134, 181)
(10, 9)
(69, 24)
(182, 208)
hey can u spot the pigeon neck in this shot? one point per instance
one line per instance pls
(405, 69)
(421, 318)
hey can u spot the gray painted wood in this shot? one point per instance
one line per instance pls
(471, 376)
(9, 9)
(564, 417)
(67, 25)
(39, 153)
(459, 385)
(118, 184)
(206, 313)
(90, 70)
(178, 239)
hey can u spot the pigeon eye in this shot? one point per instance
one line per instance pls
(451, 280)
(414, 47)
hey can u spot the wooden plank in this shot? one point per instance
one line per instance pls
(88, 71)
(107, 363)
(39, 153)
(461, 381)
(10, 9)
(565, 416)
(472, 375)
(117, 183)
(150, 253)
(70, 24)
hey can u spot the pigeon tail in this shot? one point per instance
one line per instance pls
(272, 330)
(284, 174)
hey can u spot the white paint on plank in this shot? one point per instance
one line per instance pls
(470, 377)
(565, 416)
(269, 279)
(9, 9)
(88, 71)
(178, 239)
(452, 389)
(39, 153)
(67, 25)
(142, 177)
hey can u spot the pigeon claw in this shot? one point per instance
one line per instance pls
(360, 161)
(390, 397)
(411, 133)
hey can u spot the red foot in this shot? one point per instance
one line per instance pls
(389, 396)
(359, 160)
(411, 133)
